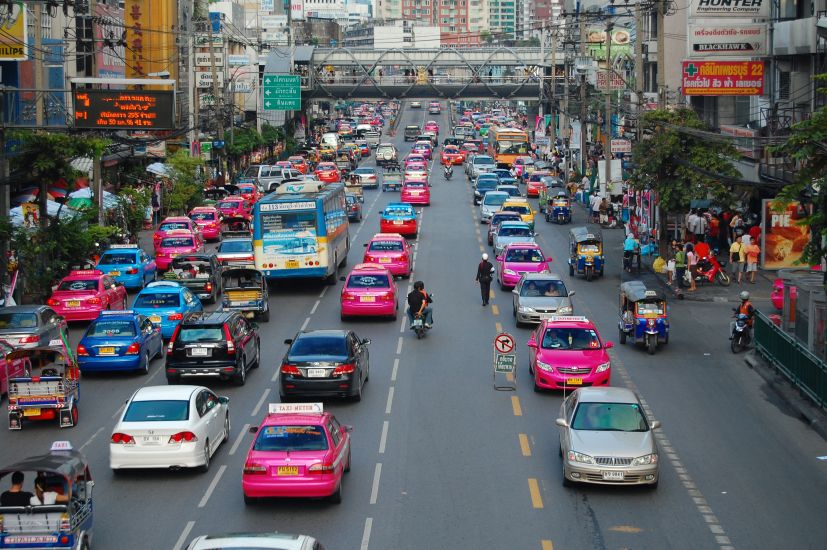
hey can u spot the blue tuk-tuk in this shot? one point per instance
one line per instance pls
(66, 523)
(559, 209)
(586, 252)
(643, 316)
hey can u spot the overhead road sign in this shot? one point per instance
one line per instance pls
(281, 92)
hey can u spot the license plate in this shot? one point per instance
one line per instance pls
(612, 476)
(155, 318)
(152, 439)
(316, 373)
(31, 412)
(397, 222)
(73, 303)
(114, 273)
(292, 264)
(384, 260)
(574, 382)
(287, 470)
(199, 352)
(367, 298)
(106, 351)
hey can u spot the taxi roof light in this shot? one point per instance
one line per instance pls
(295, 408)
(61, 446)
(568, 319)
(116, 246)
(85, 272)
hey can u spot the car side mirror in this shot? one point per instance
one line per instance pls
(515, 291)
(499, 258)
(562, 422)
(366, 341)
(608, 345)
(347, 429)
(288, 341)
(253, 429)
(224, 400)
(365, 245)
(531, 343)
(655, 424)
(572, 292)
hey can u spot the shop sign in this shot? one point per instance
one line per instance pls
(782, 237)
(728, 40)
(744, 9)
(723, 78)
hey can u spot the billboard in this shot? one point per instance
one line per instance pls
(149, 43)
(596, 43)
(14, 38)
(782, 239)
(736, 40)
(124, 109)
(297, 10)
(723, 78)
(733, 9)
(110, 55)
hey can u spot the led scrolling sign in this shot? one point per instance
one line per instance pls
(124, 109)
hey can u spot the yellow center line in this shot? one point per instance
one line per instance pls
(481, 248)
(495, 310)
(546, 545)
(498, 326)
(509, 376)
(515, 404)
(534, 489)
(524, 446)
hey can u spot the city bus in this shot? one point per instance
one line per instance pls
(301, 231)
(506, 144)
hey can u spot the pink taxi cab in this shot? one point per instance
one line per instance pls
(369, 290)
(173, 223)
(415, 192)
(415, 158)
(232, 207)
(423, 148)
(248, 191)
(519, 258)
(431, 126)
(208, 219)
(390, 250)
(83, 294)
(566, 352)
(174, 244)
(298, 451)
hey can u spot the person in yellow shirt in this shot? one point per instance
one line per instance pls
(736, 259)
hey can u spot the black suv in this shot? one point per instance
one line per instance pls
(220, 344)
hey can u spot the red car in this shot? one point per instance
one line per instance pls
(174, 223)
(328, 172)
(82, 295)
(534, 187)
(415, 192)
(208, 219)
(451, 154)
(234, 207)
(249, 191)
(300, 164)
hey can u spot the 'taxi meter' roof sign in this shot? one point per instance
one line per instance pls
(124, 109)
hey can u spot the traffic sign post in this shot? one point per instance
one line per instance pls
(281, 92)
(505, 361)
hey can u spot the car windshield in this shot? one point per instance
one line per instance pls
(111, 258)
(524, 255)
(514, 232)
(229, 204)
(157, 411)
(385, 246)
(483, 160)
(366, 171)
(334, 346)
(415, 184)
(79, 284)
(518, 208)
(291, 438)
(236, 246)
(18, 320)
(112, 328)
(495, 199)
(609, 417)
(573, 339)
(551, 289)
(190, 335)
(169, 226)
(512, 192)
(177, 242)
(368, 281)
(157, 299)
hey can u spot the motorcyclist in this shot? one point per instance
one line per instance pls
(418, 301)
(448, 171)
(745, 308)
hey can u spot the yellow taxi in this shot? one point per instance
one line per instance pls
(521, 206)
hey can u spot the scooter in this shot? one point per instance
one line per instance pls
(448, 171)
(740, 337)
(709, 269)
(419, 327)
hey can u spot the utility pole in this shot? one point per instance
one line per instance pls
(607, 140)
(565, 129)
(583, 111)
(639, 68)
(553, 137)
(97, 176)
(661, 56)
(218, 101)
(39, 95)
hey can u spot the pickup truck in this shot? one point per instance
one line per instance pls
(201, 273)
(373, 138)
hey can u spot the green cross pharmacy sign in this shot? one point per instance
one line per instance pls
(282, 92)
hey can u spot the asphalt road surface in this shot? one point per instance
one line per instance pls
(443, 461)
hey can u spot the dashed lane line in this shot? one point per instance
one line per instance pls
(366, 534)
(515, 405)
(182, 539)
(395, 369)
(494, 309)
(323, 292)
(260, 402)
(374, 489)
(383, 439)
(525, 447)
(213, 484)
(389, 404)
(399, 345)
(92, 438)
(315, 306)
(275, 376)
(498, 326)
(239, 438)
(534, 491)
(306, 322)
(546, 545)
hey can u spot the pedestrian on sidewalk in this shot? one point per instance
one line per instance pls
(485, 273)
(692, 265)
(736, 258)
(736, 225)
(752, 251)
(594, 201)
(670, 262)
(680, 265)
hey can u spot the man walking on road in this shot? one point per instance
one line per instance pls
(485, 271)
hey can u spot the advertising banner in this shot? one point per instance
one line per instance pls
(596, 43)
(14, 38)
(733, 9)
(109, 57)
(782, 239)
(720, 78)
(727, 40)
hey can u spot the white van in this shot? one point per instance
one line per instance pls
(331, 139)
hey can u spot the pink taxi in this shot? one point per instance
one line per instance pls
(390, 250)
(369, 290)
(566, 352)
(248, 191)
(415, 192)
(208, 219)
(232, 207)
(173, 223)
(298, 451)
(431, 126)
(174, 244)
(83, 294)
(423, 148)
(519, 258)
(415, 158)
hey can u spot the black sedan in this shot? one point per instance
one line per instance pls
(354, 208)
(325, 363)
(30, 326)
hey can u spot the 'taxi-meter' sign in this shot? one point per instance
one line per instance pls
(124, 109)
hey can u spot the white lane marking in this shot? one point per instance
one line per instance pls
(119, 411)
(399, 345)
(212, 486)
(149, 378)
(395, 369)
(383, 439)
(374, 490)
(184, 534)
(260, 402)
(366, 534)
(402, 324)
(239, 439)
(413, 266)
(306, 322)
(275, 375)
(316, 305)
(389, 404)
(324, 291)
(414, 256)
(94, 435)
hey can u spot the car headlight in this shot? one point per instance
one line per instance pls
(574, 456)
(509, 272)
(525, 309)
(646, 460)
(603, 366)
(544, 366)
(565, 310)
(545, 270)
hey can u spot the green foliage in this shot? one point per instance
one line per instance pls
(48, 155)
(485, 36)
(245, 141)
(668, 161)
(132, 205)
(186, 183)
(271, 134)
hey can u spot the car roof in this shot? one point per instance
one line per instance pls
(399, 205)
(387, 236)
(608, 394)
(515, 223)
(274, 540)
(208, 317)
(149, 393)
(34, 308)
(323, 332)
(165, 286)
(180, 233)
(568, 321)
(532, 246)
(175, 219)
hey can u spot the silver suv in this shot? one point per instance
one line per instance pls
(539, 296)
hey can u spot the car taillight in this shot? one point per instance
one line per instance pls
(52, 302)
(175, 317)
(229, 337)
(321, 468)
(255, 469)
(133, 349)
(291, 370)
(29, 340)
(122, 439)
(180, 437)
(348, 368)
(94, 300)
(208, 287)
(82, 350)
(172, 340)
(132, 271)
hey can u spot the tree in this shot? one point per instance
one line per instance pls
(186, 183)
(271, 134)
(679, 161)
(245, 141)
(486, 36)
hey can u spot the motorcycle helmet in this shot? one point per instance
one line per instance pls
(484, 256)
(744, 295)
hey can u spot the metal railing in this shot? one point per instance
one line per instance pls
(787, 354)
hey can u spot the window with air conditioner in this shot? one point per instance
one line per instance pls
(784, 85)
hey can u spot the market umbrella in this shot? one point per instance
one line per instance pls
(110, 200)
(52, 208)
(159, 169)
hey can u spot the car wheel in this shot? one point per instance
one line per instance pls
(226, 429)
(240, 378)
(336, 498)
(347, 464)
(249, 501)
(255, 364)
(206, 466)
(358, 395)
(145, 368)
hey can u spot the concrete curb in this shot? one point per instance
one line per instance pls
(813, 416)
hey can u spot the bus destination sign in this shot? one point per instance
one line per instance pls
(124, 109)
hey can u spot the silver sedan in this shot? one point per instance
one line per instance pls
(539, 296)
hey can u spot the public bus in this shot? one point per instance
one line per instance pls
(506, 144)
(301, 231)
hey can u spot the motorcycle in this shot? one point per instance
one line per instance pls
(740, 337)
(448, 171)
(710, 269)
(419, 327)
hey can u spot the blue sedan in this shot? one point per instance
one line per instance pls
(128, 264)
(165, 303)
(119, 341)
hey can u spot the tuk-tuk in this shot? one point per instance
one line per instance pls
(392, 181)
(214, 194)
(68, 521)
(245, 289)
(235, 226)
(558, 209)
(353, 185)
(585, 252)
(48, 388)
(643, 316)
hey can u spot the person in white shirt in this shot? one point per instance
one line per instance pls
(42, 497)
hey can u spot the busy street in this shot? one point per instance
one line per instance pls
(439, 457)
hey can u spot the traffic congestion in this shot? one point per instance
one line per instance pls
(308, 356)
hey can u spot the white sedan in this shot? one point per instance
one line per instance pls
(170, 427)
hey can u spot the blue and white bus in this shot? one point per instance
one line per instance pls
(301, 231)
